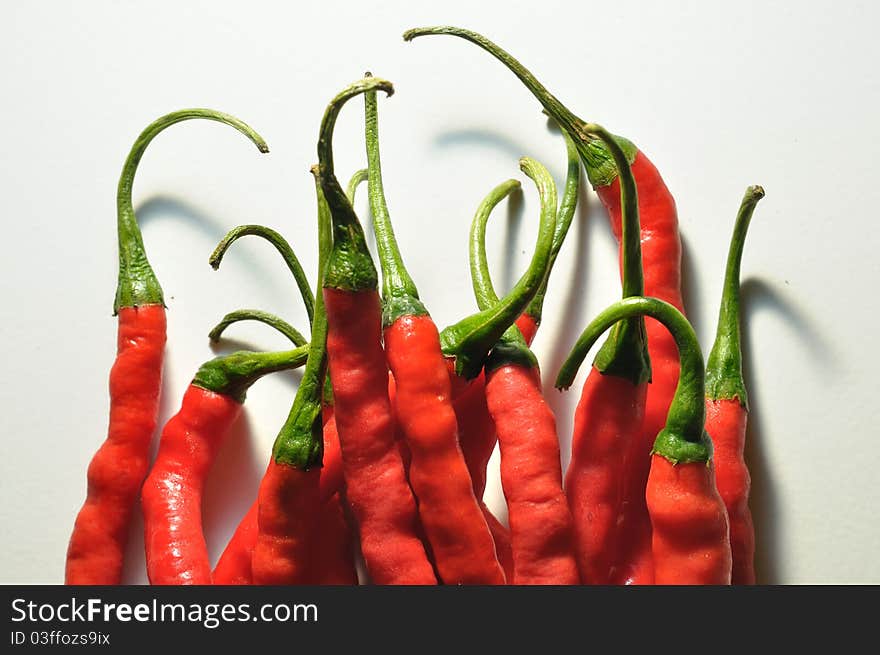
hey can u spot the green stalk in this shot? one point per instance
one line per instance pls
(138, 284)
(470, 340)
(481, 279)
(564, 217)
(271, 320)
(300, 442)
(350, 266)
(355, 182)
(283, 248)
(625, 353)
(597, 160)
(724, 378)
(232, 375)
(683, 439)
(400, 297)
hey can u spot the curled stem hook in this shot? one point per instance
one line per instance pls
(137, 281)
(283, 248)
(260, 316)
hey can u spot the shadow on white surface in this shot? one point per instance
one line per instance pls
(768, 513)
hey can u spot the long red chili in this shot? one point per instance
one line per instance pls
(462, 547)
(661, 257)
(611, 409)
(235, 564)
(727, 405)
(289, 497)
(531, 470)
(689, 526)
(117, 470)
(377, 490)
(466, 345)
(171, 497)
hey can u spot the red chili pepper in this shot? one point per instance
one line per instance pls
(661, 256)
(477, 438)
(171, 497)
(610, 413)
(727, 405)
(466, 345)
(234, 566)
(690, 543)
(462, 547)
(376, 486)
(117, 470)
(289, 496)
(531, 473)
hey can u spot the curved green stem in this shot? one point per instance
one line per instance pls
(599, 164)
(625, 353)
(283, 248)
(137, 281)
(271, 320)
(355, 181)
(300, 442)
(232, 375)
(400, 297)
(349, 266)
(470, 340)
(683, 439)
(724, 377)
(564, 217)
(481, 279)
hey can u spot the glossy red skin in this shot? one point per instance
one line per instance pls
(608, 417)
(689, 523)
(462, 547)
(726, 421)
(661, 262)
(377, 490)
(117, 470)
(234, 566)
(171, 497)
(541, 532)
(289, 506)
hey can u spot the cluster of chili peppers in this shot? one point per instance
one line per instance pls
(383, 455)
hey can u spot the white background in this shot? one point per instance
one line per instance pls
(719, 95)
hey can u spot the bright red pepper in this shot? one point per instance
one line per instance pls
(461, 545)
(689, 527)
(611, 409)
(171, 497)
(117, 470)
(376, 486)
(727, 407)
(235, 564)
(661, 259)
(531, 475)
(289, 497)
(661, 251)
